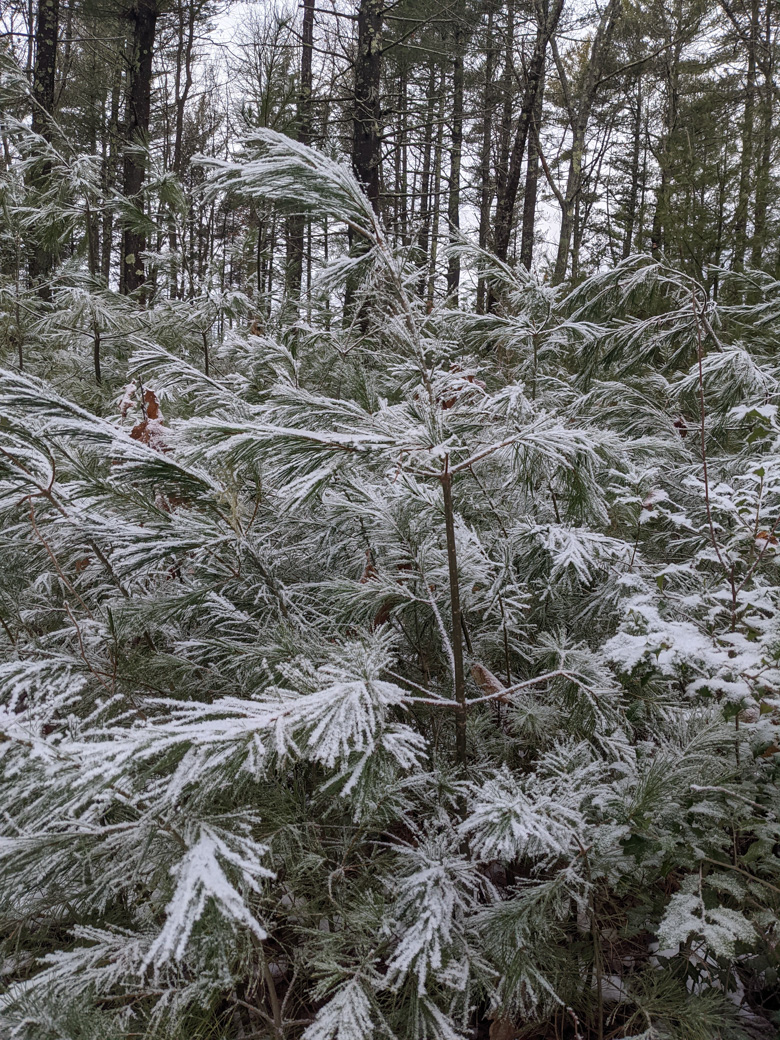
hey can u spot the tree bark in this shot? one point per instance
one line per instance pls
(43, 254)
(660, 215)
(531, 184)
(579, 119)
(436, 192)
(305, 130)
(485, 166)
(143, 16)
(763, 171)
(549, 17)
(423, 237)
(633, 191)
(367, 115)
(453, 201)
(44, 68)
(746, 158)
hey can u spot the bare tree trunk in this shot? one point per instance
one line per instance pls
(403, 186)
(505, 205)
(296, 223)
(531, 184)
(507, 98)
(143, 15)
(453, 202)
(660, 214)
(633, 191)
(433, 259)
(485, 193)
(367, 115)
(746, 158)
(579, 118)
(108, 173)
(765, 161)
(425, 183)
(43, 254)
(183, 72)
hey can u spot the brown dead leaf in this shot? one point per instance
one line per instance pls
(502, 1029)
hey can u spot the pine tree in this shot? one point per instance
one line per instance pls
(414, 676)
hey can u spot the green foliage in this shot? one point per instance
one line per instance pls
(232, 802)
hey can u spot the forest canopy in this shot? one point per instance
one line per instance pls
(389, 520)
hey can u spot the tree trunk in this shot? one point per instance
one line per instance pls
(531, 184)
(580, 116)
(660, 215)
(425, 184)
(507, 98)
(485, 170)
(633, 191)
(437, 164)
(453, 202)
(746, 158)
(108, 173)
(507, 196)
(296, 223)
(763, 171)
(43, 254)
(143, 15)
(367, 115)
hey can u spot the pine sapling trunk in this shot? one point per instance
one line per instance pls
(457, 622)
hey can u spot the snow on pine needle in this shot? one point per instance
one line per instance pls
(263, 771)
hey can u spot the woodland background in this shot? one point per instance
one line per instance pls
(389, 520)
(567, 137)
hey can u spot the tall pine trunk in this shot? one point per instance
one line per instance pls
(43, 254)
(367, 115)
(763, 170)
(423, 237)
(304, 133)
(549, 17)
(453, 201)
(143, 16)
(634, 174)
(746, 157)
(579, 118)
(485, 165)
(531, 184)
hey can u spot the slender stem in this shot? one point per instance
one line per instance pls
(273, 999)
(457, 629)
(729, 570)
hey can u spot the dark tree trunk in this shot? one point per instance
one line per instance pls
(763, 171)
(423, 237)
(662, 195)
(143, 16)
(531, 185)
(763, 178)
(633, 191)
(505, 205)
(43, 254)
(746, 158)
(580, 117)
(305, 129)
(436, 193)
(367, 115)
(453, 203)
(507, 101)
(44, 69)
(485, 166)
